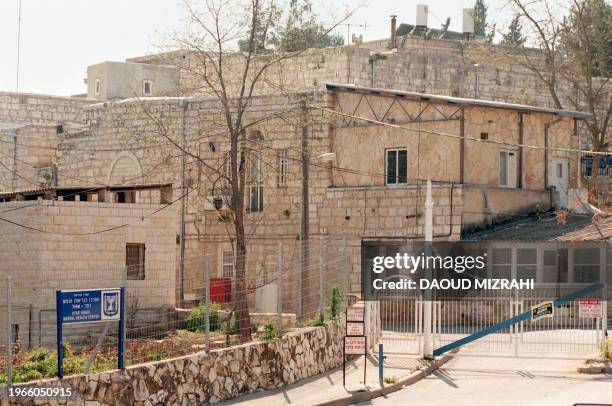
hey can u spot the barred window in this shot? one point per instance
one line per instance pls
(283, 168)
(227, 263)
(135, 261)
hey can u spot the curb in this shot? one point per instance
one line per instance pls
(385, 390)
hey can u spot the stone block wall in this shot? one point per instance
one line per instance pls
(26, 156)
(82, 245)
(41, 109)
(210, 378)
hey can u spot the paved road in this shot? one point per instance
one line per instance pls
(477, 380)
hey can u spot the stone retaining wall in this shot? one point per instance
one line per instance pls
(201, 378)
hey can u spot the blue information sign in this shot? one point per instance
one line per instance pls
(86, 306)
(89, 306)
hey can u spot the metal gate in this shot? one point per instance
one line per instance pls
(564, 334)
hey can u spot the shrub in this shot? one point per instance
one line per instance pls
(195, 319)
(270, 332)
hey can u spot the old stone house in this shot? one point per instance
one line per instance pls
(98, 152)
(471, 149)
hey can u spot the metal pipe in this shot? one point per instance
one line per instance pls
(183, 103)
(9, 329)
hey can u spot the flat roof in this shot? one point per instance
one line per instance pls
(545, 227)
(456, 100)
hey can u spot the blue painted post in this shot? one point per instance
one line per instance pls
(60, 347)
(120, 355)
(381, 360)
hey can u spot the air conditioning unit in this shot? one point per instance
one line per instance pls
(214, 203)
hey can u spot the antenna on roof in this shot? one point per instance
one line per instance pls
(18, 44)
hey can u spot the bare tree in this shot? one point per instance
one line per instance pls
(573, 49)
(207, 54)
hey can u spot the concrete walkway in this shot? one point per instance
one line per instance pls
(505, 381)
(327, 388)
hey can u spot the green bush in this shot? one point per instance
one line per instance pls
(270, 332)
(195, 319)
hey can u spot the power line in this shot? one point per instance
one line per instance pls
(99, 231)
(508, 144)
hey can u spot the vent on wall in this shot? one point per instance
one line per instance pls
(484, 136)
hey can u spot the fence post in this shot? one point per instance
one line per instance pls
(207, 302)
(9, 325)
(279, 288)
(321, 278)
(427, 316)
(345, 275)
(604, 314)
(123, 310)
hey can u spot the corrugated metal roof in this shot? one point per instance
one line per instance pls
(457, 100)
(545, 227)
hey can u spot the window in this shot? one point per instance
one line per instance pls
(15, 333)
(227, 263)
(97, 87)
(586, 265)
(128, 196)
(256, 183)
(526, 263)
(283, 168)
(507, 169)
(147, 87)
(555, 266)
(396, 167)
(502, 263)
(135, 261)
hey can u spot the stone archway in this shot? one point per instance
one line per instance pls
(125, 169)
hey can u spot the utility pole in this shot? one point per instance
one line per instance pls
(183, 103)
(304, 208)
(427, 306)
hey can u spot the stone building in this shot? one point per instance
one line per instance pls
(118, 153)
(53, 244)
(469, 148)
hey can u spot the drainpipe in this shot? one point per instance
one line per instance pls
(182, 103)
(462, 147)
(476, 81)
(520, 151)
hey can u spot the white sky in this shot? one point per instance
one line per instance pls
(60, 38)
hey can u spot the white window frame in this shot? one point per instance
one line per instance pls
(97, 87)
(396, 150)
(283, 168)
(144, 87)
(511, 156)
(227, 255)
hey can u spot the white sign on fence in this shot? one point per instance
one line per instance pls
(354, 314)
(355, 345)
(589, 309)
(354, 329)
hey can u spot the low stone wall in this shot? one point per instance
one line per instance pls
(201, 378)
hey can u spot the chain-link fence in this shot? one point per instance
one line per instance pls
(210, 301)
